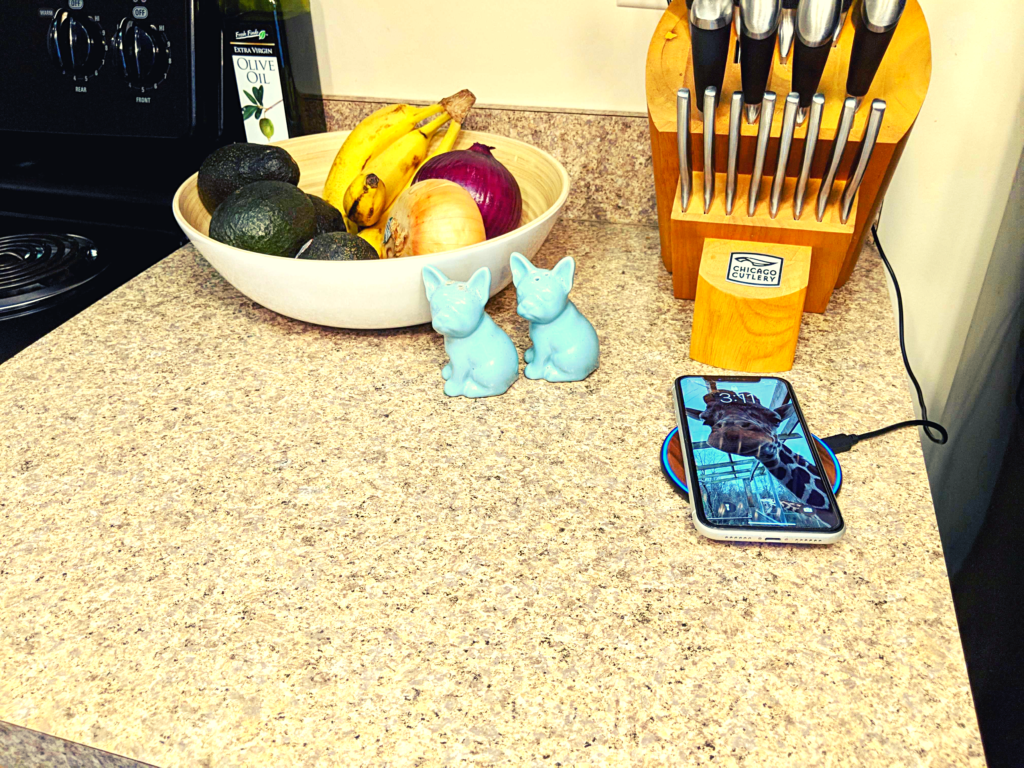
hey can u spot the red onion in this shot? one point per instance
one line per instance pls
(490, 183)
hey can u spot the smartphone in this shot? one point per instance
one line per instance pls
(751, 470)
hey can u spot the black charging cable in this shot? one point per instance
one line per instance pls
(842, 443)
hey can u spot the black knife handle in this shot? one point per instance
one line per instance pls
(710, 48)
(866, 57)
(846, 5)
(755, 66)
(791, 4)
(808, 64)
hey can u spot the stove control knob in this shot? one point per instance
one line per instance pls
(76, 44)
(143, 53)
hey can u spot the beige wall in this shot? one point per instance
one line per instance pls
(952, 227)
(582, 54)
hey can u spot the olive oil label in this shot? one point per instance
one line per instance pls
(255, 56)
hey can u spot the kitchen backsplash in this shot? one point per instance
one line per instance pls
(608, 157)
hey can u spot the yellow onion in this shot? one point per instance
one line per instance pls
(433, 216)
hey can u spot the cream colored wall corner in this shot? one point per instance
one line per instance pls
(945, 226)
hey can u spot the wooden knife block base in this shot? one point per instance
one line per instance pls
(827, 240)
(743, 327)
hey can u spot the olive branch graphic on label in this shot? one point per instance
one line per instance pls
(256, 110)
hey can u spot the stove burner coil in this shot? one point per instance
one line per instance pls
(38, 268)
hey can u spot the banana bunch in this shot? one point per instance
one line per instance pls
(391, 170)
(382, 154)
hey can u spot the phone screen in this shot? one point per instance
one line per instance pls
(751, 453)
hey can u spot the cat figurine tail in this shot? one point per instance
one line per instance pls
(565, 346)
(482, 360)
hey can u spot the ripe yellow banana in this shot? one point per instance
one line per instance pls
(394, 167)
(370, 137)
(365, 198)
(374, 237)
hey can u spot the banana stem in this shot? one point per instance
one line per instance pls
(431, 128)
(447, 143)
(428, 111)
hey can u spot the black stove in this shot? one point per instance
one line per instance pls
(37, 270)
(50, 270)
(114, 104)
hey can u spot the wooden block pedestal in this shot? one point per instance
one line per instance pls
(749, 304)
(827, 240)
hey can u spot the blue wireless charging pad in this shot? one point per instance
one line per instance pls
(672, 462)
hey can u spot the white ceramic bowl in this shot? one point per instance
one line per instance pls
(385, 293)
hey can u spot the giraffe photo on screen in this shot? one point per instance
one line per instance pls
(740, 425)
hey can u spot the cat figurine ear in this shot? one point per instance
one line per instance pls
(480, 284)
(564, 271)
(482, 360)
(433, 278)
(520, 267)
(565, 345)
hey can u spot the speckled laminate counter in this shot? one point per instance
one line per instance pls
(231, 539)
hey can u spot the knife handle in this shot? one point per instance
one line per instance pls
(810, 145)
(866, 57)
(842, 21)
(808, 64)
(860, 162)
(683, 147)
(755, 66)
(835, 157)
(710, 99)
(785, 144)
(764, 133)
(710, 49)
(732, 169)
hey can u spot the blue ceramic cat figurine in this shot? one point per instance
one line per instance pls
(482, 360)
(565, 344)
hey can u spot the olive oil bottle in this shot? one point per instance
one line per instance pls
(271, 82)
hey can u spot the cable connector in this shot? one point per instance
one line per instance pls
(841, 443)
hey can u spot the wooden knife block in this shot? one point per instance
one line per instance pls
(743, 327)
(902, 80)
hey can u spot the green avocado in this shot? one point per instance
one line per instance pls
(232, 167)
(272, 217)
(338, 246)
(328, 218)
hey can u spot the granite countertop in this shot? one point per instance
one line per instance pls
(232, 539)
